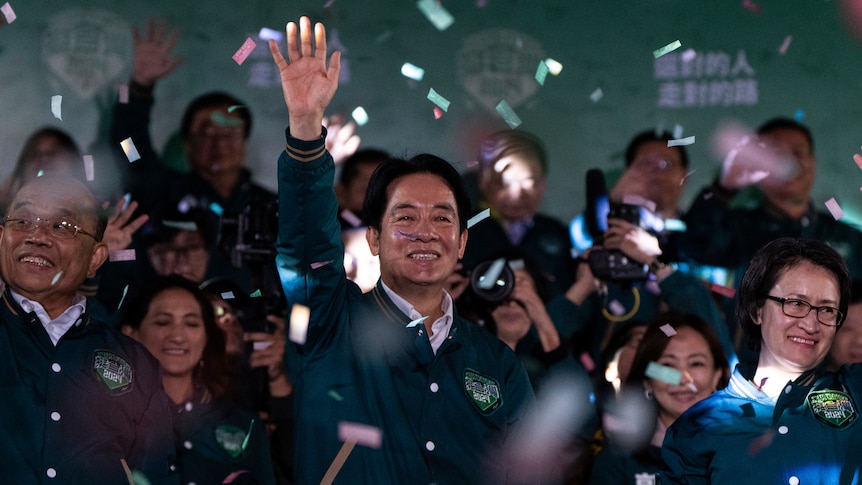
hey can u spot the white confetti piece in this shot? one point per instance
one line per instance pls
(834, 208)
(412, 71)
(436, 14)
(56, 106)
(416, 322)
(243, 52)
(597, 95)
(299, 315)
(269, 34)
(88, 168)
(688, 55)
(478, 217)
(123, 94)
(517, 264)
(360, 116)
(668, 48)
(554, 67)
(785, 45)
(8, 13)
(362, 434)
(227, 295)
(130, 150)
(121, 255)
(261, 345)
(508, 114)
(689, 140)
(489, 279)
(668, 330)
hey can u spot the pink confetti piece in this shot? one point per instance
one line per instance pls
(692, 387)
(88, 168)
(8, 13)
(587, 362)
(123, 94)
(722, 290)
(243, 52)
(858, 159)
(688, 55)
(834, 208)
(616, 307)
(233, 476)
(320, 264)
(328, 4)
(298, 328)
(474, 163)
(784, 45)
(261, 345)
(362, 434)
(121, 255)
(751, 6)
(351, 218)
(438, 113)
(668, 330)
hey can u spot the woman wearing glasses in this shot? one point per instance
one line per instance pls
(784, 418)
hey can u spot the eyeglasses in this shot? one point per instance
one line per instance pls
(792, 307)
(173, 253)
(58, 228)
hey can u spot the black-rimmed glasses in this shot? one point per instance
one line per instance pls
(793, 307)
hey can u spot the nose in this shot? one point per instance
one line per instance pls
(41, 234)
(809, 322)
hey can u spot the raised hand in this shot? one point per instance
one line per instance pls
(341, 139)
(153, 58)
(119, 231)
(306, 81)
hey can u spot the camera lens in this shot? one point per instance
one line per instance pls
(492, 280)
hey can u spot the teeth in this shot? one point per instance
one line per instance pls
(36, 260)
(175, 351)
(423, 256)
(802, 340)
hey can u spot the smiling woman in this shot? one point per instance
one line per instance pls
(786, 414)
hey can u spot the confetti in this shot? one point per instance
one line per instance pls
(129, 149)
(597, 95)
(256, 294)
(412, 71)
(799, 115)
(123, 298)
(56, 278)
(139, 478)
(319, 264)
(508, 114)
(269, 34)
(751, 6)
(516, 264)
(436, 14)
(56, 102)
(722, 290)
(677, 131)
(542, 72)
(668, 48)
(216, 208)
(663, 373)
(181, 225)
(8, 13)
(123, 94)
(689, 140)
(417, 322)
(261, 345)
(362, 434)
(438, 113)
(335, 395)
(88, 168)
(351, 218)
(437, 99)
(834, 208)
(674, 225)
(478, 217)
(688, 55)
(121, 255)
(227, 295)
(233, 476)
(554, 67)
(668, 330)
(235, 107)
(127, 199)
(298, 323)
(587, 361)
(784, 45)
(616, 308)
(360, 116)
(492, 275)
(240, 55)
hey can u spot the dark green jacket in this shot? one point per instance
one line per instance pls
(81, 407)
(440, 415)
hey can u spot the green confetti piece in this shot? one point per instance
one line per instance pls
(56, 278)
(139, 478)
(508, 114)
(668, 48)
(335, 395)
(256, 294)
(542, 72)
(440, 101)
(223, 120)
(231, 109)
(181, 225)
(247, 435)
(216, 208)
(663, 373)
(436, 14)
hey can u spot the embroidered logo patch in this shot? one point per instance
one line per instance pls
(834, 408)
(114, 371)
(483, 391)
(231, 439)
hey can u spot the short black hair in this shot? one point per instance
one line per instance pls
(647, 136)
(377, 197)
(212, 100)
(365, 156)
(767, 266)
(509, 143)
(783, 123)
(168, 223)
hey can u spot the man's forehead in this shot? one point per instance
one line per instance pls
(54, 195)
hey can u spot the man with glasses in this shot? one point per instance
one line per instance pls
(81, 402)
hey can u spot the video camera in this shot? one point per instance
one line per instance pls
(612, 265)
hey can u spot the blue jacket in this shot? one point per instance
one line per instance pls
(441, 415)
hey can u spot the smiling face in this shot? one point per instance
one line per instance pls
(797, 344)
(39, 265)
(689, 353)
(419, 241)
(173, 331)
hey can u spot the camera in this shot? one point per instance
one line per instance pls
(492, 281)
(249, 236)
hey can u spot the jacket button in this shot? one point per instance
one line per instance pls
(429, 445)
(52, 473)
(56, 367)
(55, 416)
(783, 429)
(434, 387)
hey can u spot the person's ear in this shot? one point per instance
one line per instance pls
(757, 316)
(372, 235)
(128, 331)
(97, 259)
(462, 244)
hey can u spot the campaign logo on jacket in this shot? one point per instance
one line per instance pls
(233, 440)
(114, 371)
(484, 391)
(834, 408)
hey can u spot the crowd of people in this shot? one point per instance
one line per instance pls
(515, 348)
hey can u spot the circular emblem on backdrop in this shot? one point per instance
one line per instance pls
(499, 64)
(86, 48)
